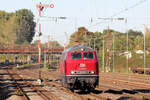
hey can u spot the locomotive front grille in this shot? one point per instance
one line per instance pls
(82, 72)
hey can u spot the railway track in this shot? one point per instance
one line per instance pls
(127, 86)
(121, 92)
(110, 89)
(19, 83)
(135, 77)
(18, 87)
(81, 94)
(127, 92)
(86, 96)
(130, 79)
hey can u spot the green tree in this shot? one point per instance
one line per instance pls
(134, 33)
(16, 28)
(82, 35)
(25, 20)
(7, 27)
(139, 43)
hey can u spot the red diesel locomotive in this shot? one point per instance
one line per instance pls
(79, 68)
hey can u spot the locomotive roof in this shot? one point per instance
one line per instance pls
(79, 48)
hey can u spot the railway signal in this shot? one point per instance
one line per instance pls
(41, 7)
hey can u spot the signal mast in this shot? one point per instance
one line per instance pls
(41, 7)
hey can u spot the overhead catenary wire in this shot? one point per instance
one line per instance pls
(121, 11)
(127, 9)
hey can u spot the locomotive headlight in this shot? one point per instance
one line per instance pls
(72, 72)
(92, 72)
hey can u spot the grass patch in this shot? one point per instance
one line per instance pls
(18, 92)
(24, 66)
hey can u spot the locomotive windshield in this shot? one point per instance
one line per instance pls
(76, 55)
(88, 55)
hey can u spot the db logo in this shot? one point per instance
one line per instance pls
(82, 65)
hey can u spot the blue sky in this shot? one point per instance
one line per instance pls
(80, 12)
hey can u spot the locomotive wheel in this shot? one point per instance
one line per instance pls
(90, 89)
(72, 90)
(71, 87)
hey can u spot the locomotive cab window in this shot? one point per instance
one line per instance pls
(75, 55)
(88, 55)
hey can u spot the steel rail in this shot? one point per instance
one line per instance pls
(25, 97)
(38, 91)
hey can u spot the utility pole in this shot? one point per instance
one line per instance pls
(94, 44)
(113, 52)
(65, 44)
(108, 46)
(144, 50)
(127, 48)
(103, 55)
(48, 46)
